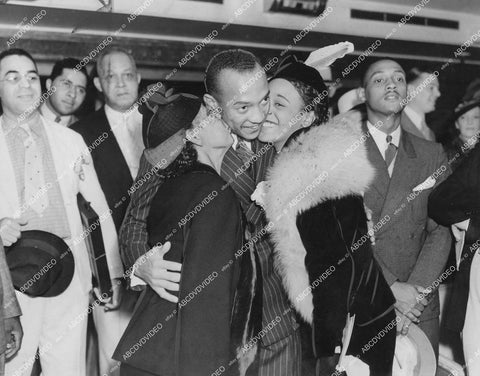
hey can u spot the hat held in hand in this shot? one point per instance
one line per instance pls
(40, 263)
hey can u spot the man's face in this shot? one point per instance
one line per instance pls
(424, 95)
(243, 98)
(385, 88)
(118, 80)
(19, 85)
(70, 91)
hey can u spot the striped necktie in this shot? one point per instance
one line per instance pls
(390, 151)
(244, 153)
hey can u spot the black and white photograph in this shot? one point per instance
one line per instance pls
(239, 188)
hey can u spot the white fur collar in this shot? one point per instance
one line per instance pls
(327, 162)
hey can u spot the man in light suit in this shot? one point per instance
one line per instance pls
(410, 247)
(10, 328)
(116, 159)
(44, 167)
(237, 89)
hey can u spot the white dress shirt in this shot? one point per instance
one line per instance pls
(52, 116)
(380, 139)
(236, 140)
(127, 129)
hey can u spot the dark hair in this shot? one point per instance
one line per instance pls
(109, 51)
(17, 52)
(311, 98)
(235, 59)
(415, 73)
(67, 63)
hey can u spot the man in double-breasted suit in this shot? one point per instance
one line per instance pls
(410, 247)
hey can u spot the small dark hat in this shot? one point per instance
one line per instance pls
(465, 107)
(40, 263)
(291, 68)
(165, 113)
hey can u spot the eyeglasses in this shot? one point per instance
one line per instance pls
(15, 77)
(69, 85)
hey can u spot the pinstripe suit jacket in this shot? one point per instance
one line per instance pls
(276, 308)
(134, 236)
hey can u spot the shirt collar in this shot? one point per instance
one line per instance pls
(237, 139)
(35, 124)
(46, 111)
(416, 118)
(131, 115)
(381, 137)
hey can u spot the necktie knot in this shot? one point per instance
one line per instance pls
(389, 139)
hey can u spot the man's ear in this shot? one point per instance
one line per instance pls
(139, 78)
(309, 118)
(96, 82)
(361, 94)
(210, 103)
(48, 84)
(192, 136)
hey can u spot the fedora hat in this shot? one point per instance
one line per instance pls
(414, 354)
(40, 263)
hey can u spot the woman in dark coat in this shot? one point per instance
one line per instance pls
(323, 251)
(208, 330)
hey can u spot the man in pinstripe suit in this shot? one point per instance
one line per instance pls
(238, 89)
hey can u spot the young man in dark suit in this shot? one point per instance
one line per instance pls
(237, 88)
(114, 135)
(410, 247)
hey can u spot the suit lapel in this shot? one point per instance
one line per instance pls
(110, 146)
(240, 181)
(264, 161)
(408, 126)
(404, 173)
(375, 195)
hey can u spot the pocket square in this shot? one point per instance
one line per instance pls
(427, 184)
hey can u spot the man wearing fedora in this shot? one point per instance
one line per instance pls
(44, 167)
(10, 328)
(116, 159)
(237, 89)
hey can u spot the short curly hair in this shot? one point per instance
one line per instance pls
(313, 99)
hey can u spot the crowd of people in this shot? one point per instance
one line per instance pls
(234, 224)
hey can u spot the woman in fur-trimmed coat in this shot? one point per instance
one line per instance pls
(323, 251)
